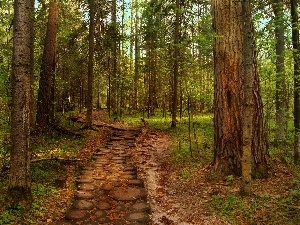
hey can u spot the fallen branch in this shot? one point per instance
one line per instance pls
(56, 159)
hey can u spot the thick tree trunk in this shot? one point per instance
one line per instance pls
(89, 113)
(281, 99)
(47, 68)
(296, 47)
(228, 99)
(19, 189)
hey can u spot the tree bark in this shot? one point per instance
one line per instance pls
(247, 126)
(113, 81)
(89, 112)
(47, 68)
(281, 99)
(228, 97)
(32, 100)
(296, 48)
(19, 190)
(176, 64)
(136, 57)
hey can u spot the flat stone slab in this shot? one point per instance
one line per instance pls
(118, 158)
(136, 182)
(116, 139)
(83, 205)
(129, 172)
(129, 137)
(106, 151)
(101, 153)
(118, 222)
(139, 217)
(100, 178)
(86, 187)
(128, 193)
(84, 180)
(141, 207)
(83, 195)
(130, 168)
(99, 217)
(108, 187)
(100, 214)
(119, 161)
(76, 214)
(128, 177)
(104, 205)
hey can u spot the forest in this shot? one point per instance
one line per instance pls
(198, 99)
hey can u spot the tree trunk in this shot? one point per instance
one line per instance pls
(47, 68)
(19, 190)
(99, 102)
(296, 48)
(228, 99)
(113, 91)
(176, 64)
(247, 125)
(32, 99)
(89, 113)
(281, 99)
(136, 58)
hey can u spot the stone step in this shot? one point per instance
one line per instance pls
(108, 191)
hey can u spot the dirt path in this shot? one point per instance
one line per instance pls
(132, 180)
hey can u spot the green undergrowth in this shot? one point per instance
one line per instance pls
(264, 206)
(192, 139)
(56, 144)
(45, 171)
(45, 192)
(258, 209)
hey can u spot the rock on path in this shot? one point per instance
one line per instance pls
(109, 191)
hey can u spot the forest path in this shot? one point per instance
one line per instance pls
(109, 191)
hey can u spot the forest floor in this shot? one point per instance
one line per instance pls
(183, 193)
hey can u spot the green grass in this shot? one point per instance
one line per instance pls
(194, 148)
(256, 209)
(43, 173)
(57, 145)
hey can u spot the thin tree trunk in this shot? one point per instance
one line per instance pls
(19, 189)
(99, 102)
(47, 68)
(176, 64)
(109, 87)
(137, 58)
(248, 112)
(281, 98)
(296, 48)
(89, 113)
(32, 100)
(113, 91)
